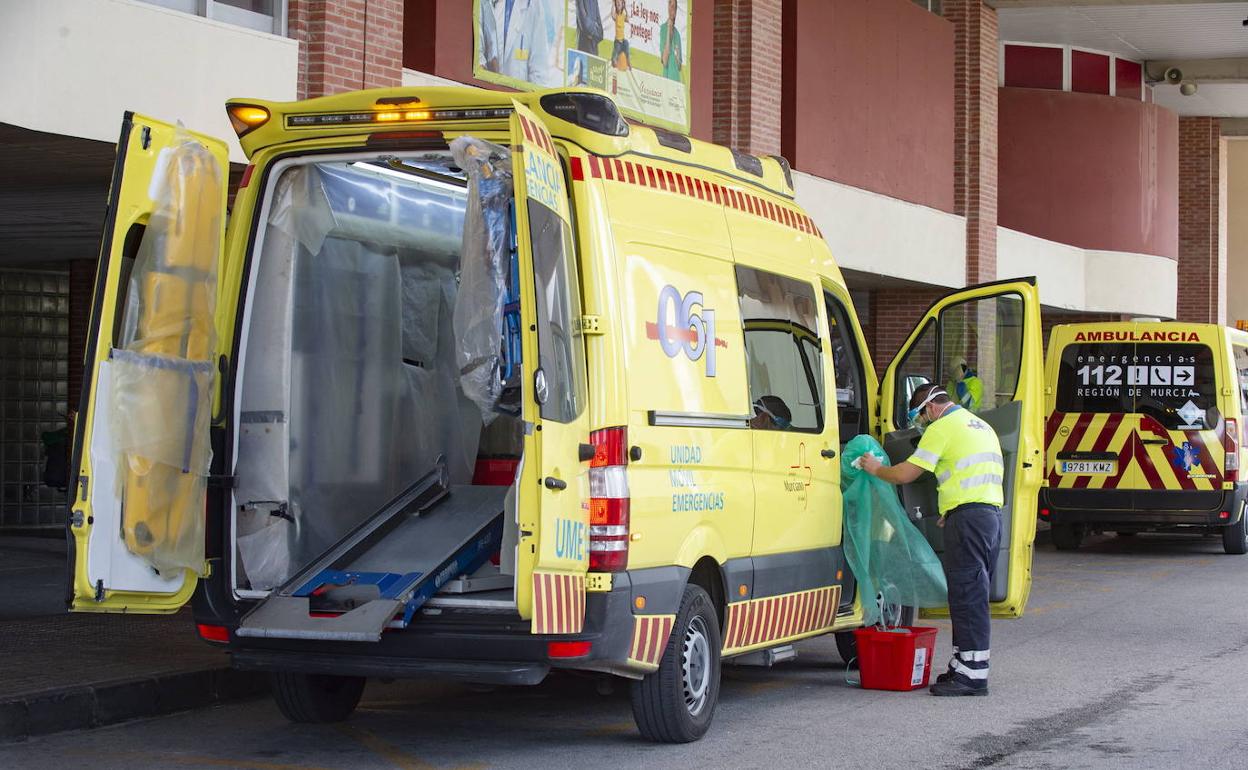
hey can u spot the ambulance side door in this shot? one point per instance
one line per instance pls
(995, 330)
(553, 551)
(141, 445)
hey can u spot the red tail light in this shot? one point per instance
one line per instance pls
(568, 649)
(213, 633)
(1230, 441)
(608, 501)
(1044, 513)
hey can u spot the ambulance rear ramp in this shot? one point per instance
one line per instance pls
(380, 574)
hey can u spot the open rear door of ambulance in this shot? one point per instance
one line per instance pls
(552, 555)
(141, 444)
(982, 345)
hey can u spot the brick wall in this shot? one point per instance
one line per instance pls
(347, 44)
(746, 65)
(893, 314)
(1202, 221)
(975, 132)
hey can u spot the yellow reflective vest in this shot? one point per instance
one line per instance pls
(965, 454)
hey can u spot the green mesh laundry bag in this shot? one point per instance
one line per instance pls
(886, 552)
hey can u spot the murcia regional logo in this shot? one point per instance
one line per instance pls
(685, 324)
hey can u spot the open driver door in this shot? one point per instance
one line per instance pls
(141, 444)
(982, 345)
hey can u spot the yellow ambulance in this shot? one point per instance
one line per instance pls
(477, 385)
(1144, 430)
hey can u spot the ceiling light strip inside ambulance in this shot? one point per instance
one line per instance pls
(317, 120)
(645, 175)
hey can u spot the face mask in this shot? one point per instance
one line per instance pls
(779, 421)
(913, 416)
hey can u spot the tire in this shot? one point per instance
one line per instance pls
(846, 646)
(316, 698)
(1235, 536)
(1067, 537)
(676, 703)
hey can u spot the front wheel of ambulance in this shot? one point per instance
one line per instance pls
(316, 698)
(1235, 536)
(676, 703)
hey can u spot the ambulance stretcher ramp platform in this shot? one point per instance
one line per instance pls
(388, 566)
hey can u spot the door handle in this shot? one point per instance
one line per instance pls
(556, 484)
(585, 452)
(1154, 441)
(828, 453)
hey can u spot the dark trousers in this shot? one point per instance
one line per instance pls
(972, 538)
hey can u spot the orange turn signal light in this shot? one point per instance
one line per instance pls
(246, 117)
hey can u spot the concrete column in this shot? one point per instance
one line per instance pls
(975, 132)
(347, 44)
(745, 99)
(1202, 221)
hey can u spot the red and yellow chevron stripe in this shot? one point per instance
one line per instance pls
(1140, 465)
(628, 171)
(558, 603)
(535, 134)
(780, 617)
(650, 633)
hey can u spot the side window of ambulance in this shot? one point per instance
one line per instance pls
(561, 351)
(974, 351)
(848, 370)
(783, 351)
(918, 367)
(1241, 373)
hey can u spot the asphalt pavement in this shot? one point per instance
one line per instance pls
(1133, 654)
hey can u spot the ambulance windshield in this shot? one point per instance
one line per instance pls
(1174, 383)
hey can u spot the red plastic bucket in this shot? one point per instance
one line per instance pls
(896, 659)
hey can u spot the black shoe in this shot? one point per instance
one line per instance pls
(951, 687)
(945, 677)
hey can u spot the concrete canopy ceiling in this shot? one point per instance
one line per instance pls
(52, 205)
(1162, 31)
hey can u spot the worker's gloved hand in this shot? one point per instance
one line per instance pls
(869, 463)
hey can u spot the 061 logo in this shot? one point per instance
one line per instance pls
(685, 325)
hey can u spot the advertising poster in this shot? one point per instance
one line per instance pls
(635, 50)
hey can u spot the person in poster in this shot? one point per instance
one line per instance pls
(522, 39)
(670, 48)
(588, 26)
(620, 58)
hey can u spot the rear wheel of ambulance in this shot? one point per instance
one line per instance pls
(316, 698)
(676, 703)
(1235, 536)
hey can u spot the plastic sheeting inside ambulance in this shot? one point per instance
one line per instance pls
(351, 383)
(163, 370)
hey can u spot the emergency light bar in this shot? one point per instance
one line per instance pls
(317, 120)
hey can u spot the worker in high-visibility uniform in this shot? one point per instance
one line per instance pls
(968, 388)
(965, 454)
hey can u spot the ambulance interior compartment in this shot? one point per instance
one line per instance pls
(351, 403)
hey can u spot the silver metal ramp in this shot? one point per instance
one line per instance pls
(380, 574)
